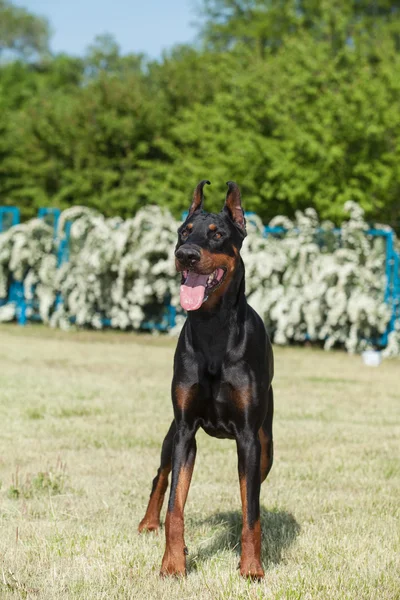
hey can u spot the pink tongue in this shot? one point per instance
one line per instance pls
(192, 291)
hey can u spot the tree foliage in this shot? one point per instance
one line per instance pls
(265, 25)
(22, 33)
(298, 101)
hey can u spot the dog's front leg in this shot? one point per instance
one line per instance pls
(151, 520)
(184, 454)
(249, 451)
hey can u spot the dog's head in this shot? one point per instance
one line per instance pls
(207, 252)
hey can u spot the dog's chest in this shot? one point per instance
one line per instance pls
(217, 410)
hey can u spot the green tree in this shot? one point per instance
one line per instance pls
(22, 34)
(297, 101)
(258, 24)
(103, 56)
(304, 128)
(265, 24)
(81, 146)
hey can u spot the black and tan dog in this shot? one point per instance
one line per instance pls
(223, 370)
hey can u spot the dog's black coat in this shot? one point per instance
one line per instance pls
(223, 370)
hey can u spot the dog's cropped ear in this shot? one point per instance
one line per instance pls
(233, 206)
(197, 202)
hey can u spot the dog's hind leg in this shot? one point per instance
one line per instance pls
(151, 520)
(249, 459)
(265, 437)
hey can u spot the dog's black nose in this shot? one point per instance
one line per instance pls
(188, 255)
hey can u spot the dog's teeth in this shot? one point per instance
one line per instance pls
(209, 280)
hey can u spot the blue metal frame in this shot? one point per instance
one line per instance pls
(15, 217)
(63, 245)
(392, 259)
(50, 216)
(396, 292)
(167, 322)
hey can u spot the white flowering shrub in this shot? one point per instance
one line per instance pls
(315, 283)
(27, 254)
(309, 283)
(119, 272)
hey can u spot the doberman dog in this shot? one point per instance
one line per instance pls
(223, 370)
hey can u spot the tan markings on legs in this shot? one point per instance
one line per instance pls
(174, 560)
(183, 397)
(241, 397)
(250, 560)
(151, 520)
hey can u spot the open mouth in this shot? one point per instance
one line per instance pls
(196, 288)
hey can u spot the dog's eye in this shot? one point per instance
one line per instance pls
(184, 234)
(217, 236)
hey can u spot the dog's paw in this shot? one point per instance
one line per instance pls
(173, 566)
(148, 525)
(252, 570)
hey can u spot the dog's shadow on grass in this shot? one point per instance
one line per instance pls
(279, 530)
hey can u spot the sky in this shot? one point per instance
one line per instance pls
(147, 26)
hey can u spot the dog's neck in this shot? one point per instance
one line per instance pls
(214, 327)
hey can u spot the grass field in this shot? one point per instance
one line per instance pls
(82, 417)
